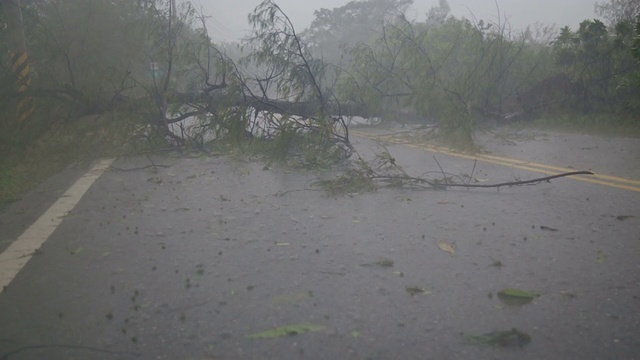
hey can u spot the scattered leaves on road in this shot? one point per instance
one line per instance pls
(447, 247)
(383, 262)
(289, 298)
(509, 338)
(497, 263)
(512, 296)
(414, 290)
(542, 227)
(285, 330)
(77, 251)
(155, 180)
(623, 217)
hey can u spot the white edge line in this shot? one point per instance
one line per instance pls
(14, 258)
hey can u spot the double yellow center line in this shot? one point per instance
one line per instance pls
(611, 181)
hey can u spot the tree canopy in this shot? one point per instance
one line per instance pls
(155, 61)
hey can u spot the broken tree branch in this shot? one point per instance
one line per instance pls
(443, 184)
(523, 182)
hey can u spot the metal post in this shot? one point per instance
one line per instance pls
(19, 58)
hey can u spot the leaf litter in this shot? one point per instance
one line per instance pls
(542, 227)
(447, 247)
(516, 297)
(623, 217)
(415, 290)
(509, 338)
(383, 262)
(286, 330)
(291, 298)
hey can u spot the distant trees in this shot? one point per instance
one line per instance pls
(355, 23)
(447, 70)
(617, 11)
(89, 57)
(86, 53)
(601, 63)
(459, 72)
(156, 61)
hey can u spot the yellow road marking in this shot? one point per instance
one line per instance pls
(551, 167)
(600, 179)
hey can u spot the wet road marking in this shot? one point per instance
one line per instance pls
(600, 179)
(14, 258)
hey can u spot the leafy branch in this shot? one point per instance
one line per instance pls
(366, 176)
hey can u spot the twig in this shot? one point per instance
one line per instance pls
(153, 165)
(434, 184)
(138, 168)
(283, 193)
(444, 177)
(416, 180)
(524, 182)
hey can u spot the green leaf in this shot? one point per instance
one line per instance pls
(285, 331)
(516, 296)
(414, 290)
(289, 298)
(77, 251)
(512, 337)
(519, 293)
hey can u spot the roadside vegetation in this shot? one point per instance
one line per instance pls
(122, 77)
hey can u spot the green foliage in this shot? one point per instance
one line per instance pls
(508, 338)
(461, 73)
(356, 180)
(600, 62)
(355, 23)
(291, 74)
(88, 59)
(27, 161)
(276, 46)
(85, 52)
(451, 70)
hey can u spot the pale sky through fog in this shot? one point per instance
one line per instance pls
(228, 20)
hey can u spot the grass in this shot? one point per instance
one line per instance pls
(27, 162)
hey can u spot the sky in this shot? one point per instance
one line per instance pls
(228, 18)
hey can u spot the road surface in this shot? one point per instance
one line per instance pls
(196, 260)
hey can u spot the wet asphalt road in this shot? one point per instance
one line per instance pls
(188, 261)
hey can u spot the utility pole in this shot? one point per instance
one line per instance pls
(19, 57)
